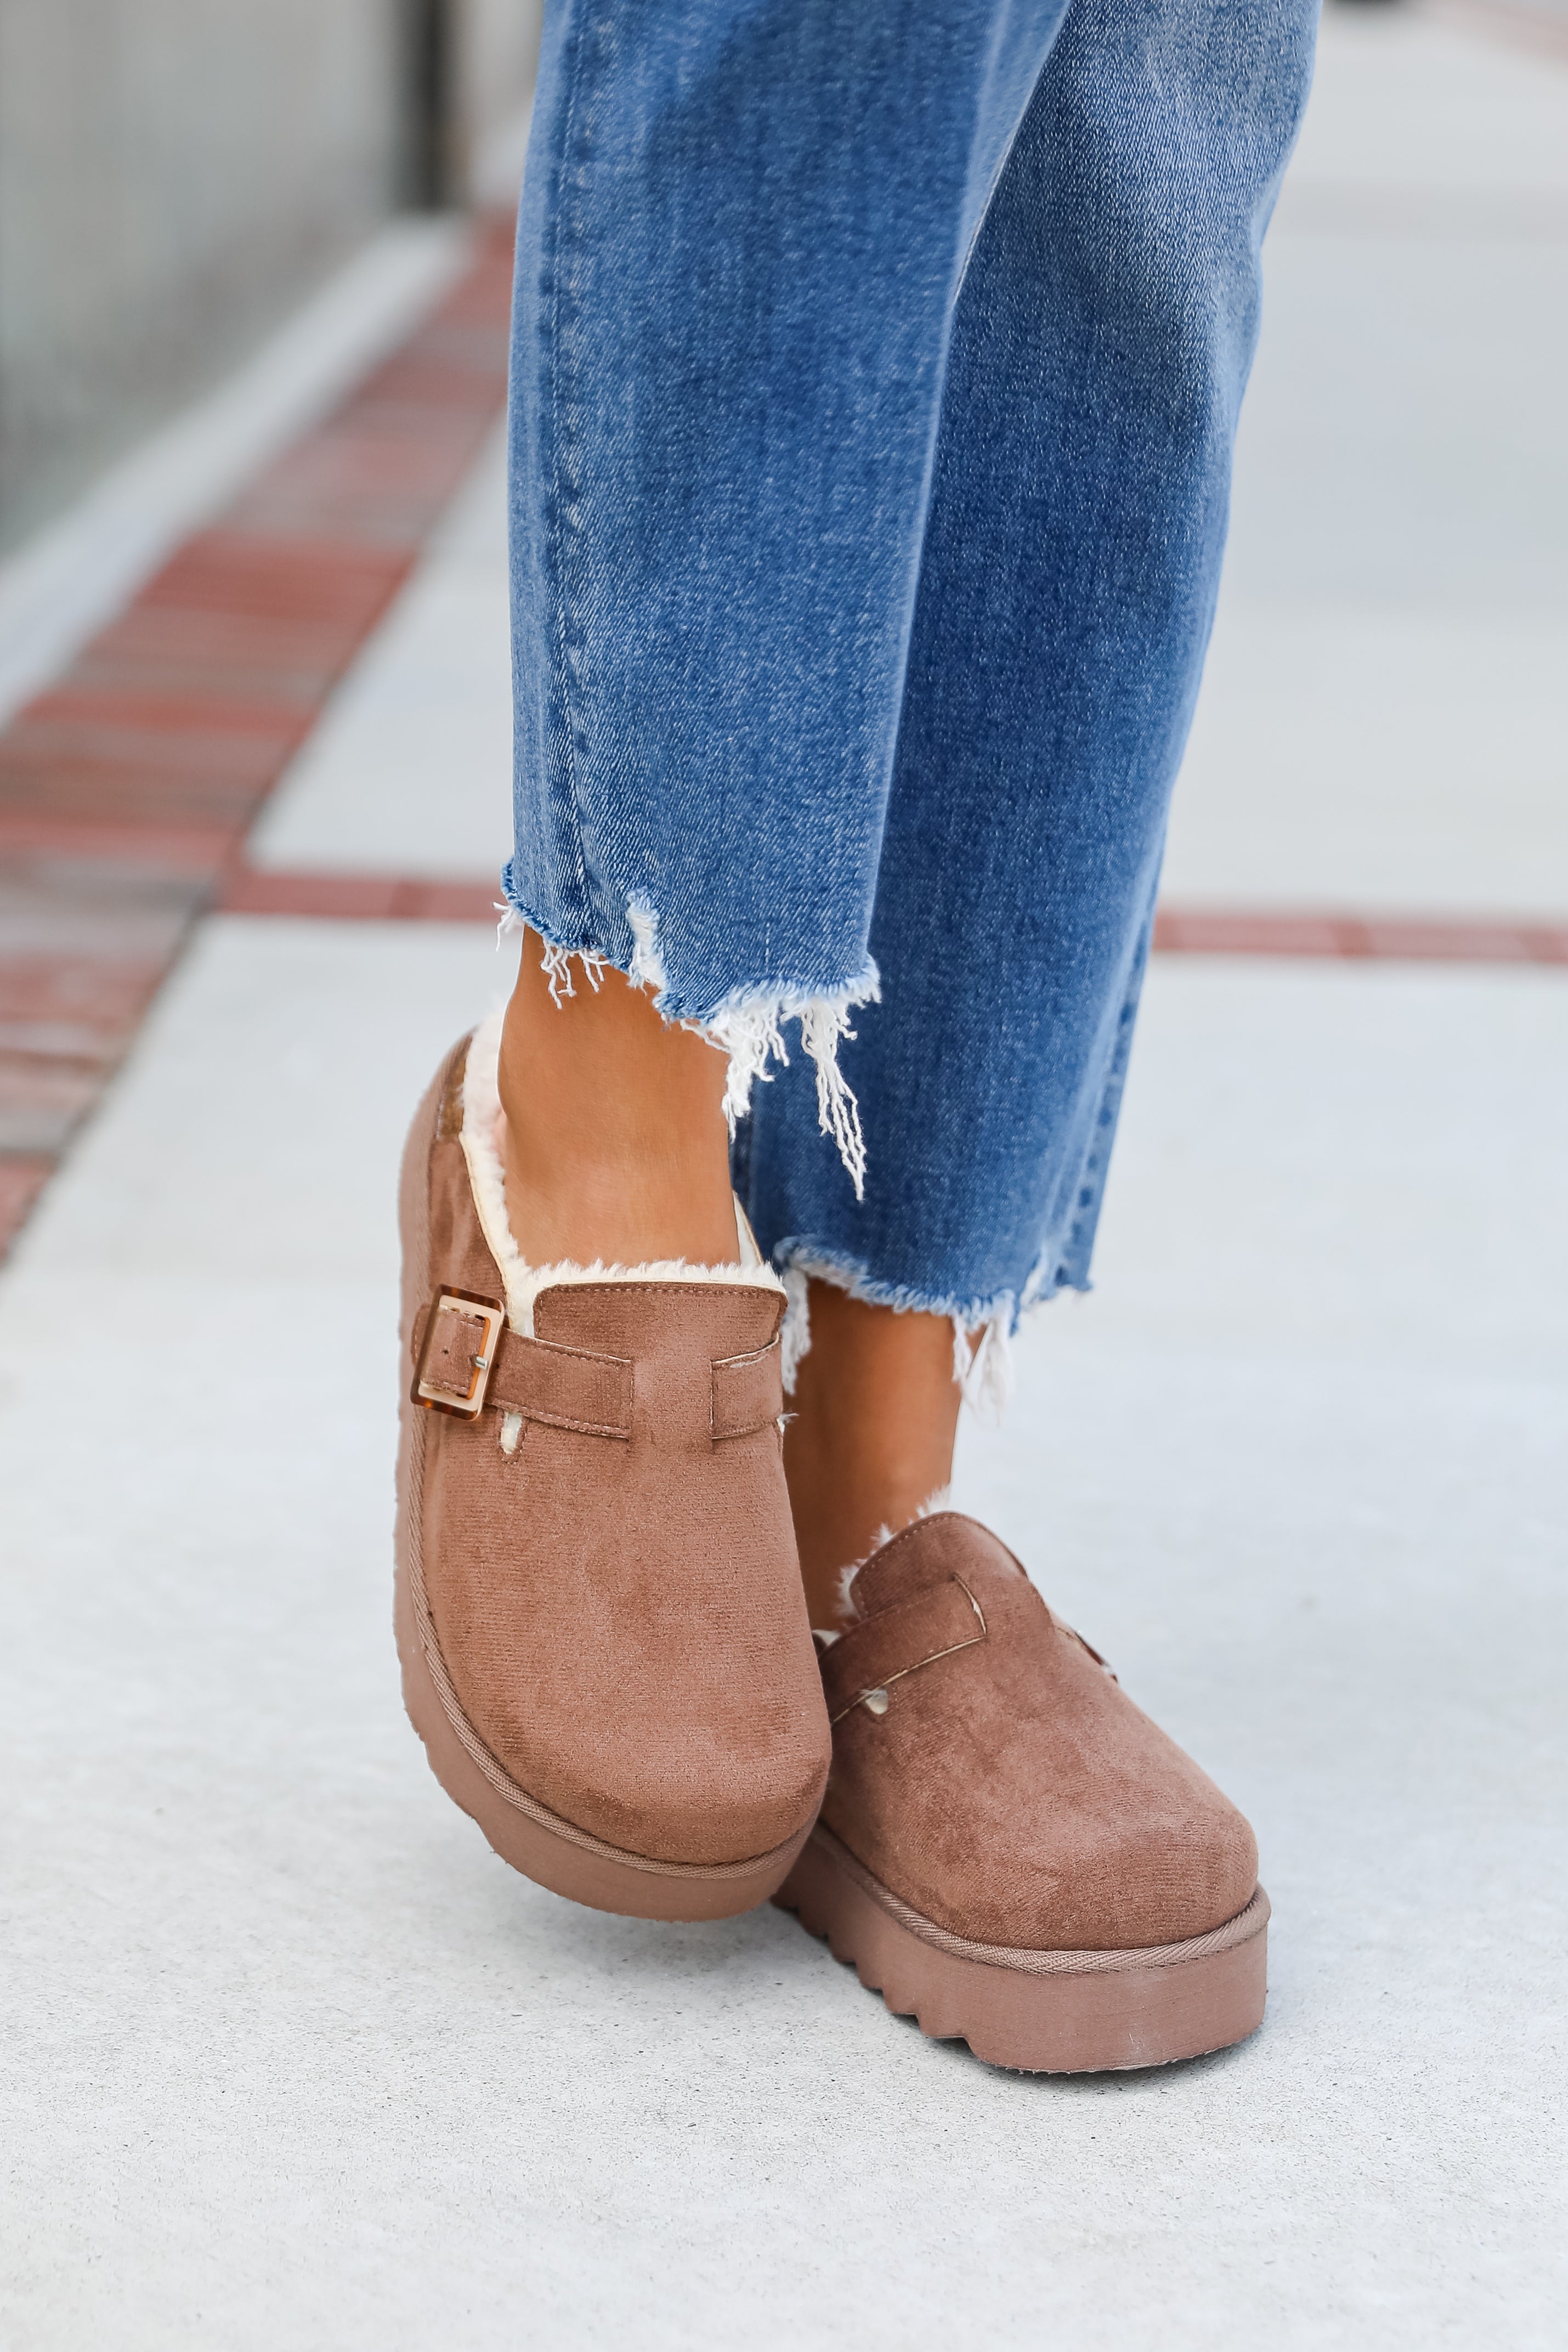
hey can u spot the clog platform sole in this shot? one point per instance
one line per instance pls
(1039, 2012)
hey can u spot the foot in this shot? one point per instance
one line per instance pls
(603, 1638)
(613, 1136)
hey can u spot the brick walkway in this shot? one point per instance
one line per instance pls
(1179, 931)
(127, 788)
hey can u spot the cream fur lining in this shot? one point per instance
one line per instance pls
(942, 1500)
(481, 1111)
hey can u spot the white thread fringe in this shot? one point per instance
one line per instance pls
(753, 1036)
(984, 1368)
(556, 963)
(838, 1113)
(752, 1033)
(646, 968)
(795, 1339)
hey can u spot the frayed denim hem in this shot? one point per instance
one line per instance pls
(747, 1022)
(982, 1327)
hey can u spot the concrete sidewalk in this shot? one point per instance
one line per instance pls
(294, 2061)
(1382, 717)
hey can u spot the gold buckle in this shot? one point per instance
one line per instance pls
(438, 1396)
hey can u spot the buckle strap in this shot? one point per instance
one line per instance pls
(466, 1360)
(455, 1343)
(747, 1390)
(570, 1388)
(859, 1666)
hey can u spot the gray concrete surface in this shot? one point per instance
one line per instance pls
(292, 2060)
(1385, 712)
(426, 713)
(297, 2061)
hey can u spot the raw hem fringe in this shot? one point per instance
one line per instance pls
(747, 1024)
(982, 1327)
(523, 1281)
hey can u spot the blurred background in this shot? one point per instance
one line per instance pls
(176, 175)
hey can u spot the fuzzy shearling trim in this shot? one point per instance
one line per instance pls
(523, 1281)
(847, 1608)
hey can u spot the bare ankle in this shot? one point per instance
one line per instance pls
(871, 1441)
(612, 1138)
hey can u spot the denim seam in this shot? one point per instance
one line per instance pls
(1004, 159)
(565, 422)
(1053, 1270)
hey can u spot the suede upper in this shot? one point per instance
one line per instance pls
(999, 1781)
(620, 1615)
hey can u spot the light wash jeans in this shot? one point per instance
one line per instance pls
(875, 372)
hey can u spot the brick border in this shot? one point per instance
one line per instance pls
(1179, 931)
(128, 786)
(1402, 938)
(357, 898)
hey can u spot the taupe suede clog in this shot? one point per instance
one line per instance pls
(600, 1617)
(1009, 1848)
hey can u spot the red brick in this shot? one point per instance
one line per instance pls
(99, 1000)
(31, 751)
(484, 296)
(126, 910)
(1184, 932)
(125, 789)
(1446, 942)
(193, 849)
(172, 754)
(294, 578)
(253, 890)
(458, 372)
(356, 897)
(456, 902)
(295, 658)
(119, 794)
(379, 488)
(1412, 939)
(140, 707)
